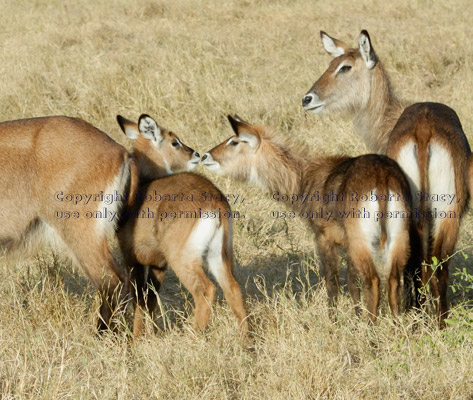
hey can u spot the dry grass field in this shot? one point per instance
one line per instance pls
(189, 63)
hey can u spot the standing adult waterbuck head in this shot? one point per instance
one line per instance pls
(426, 139)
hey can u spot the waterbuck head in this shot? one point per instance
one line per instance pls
(346, 85)
(236, 156)
(157, 151)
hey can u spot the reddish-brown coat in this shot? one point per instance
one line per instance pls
(164, 238)
(364, 90)
(274, 164)
(42, 158)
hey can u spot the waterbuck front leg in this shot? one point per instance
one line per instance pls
(148, 281)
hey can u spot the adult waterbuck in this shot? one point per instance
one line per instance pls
(360, 203)
(177, 221)
(64, 182)
(426, 139)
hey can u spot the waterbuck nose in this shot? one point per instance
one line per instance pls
(204, 157)
(307, 99)
(196, 154)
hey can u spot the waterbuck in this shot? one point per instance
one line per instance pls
(59, 177)
(359, 203)
(177, 221)
(65, 184)
(426, 139)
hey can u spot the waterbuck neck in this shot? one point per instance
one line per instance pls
(150, 169)
(375, 121)
(280, 167)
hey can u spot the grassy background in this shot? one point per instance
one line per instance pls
(189, 63)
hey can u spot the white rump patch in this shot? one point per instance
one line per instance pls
(441, 181)
(369, 226)
(214, 256)
(200, 237)
(395, 227)
(207, 235)
(407, 160)
(371, 231)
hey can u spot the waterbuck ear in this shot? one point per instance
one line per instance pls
(366, 50)
(245, 132)
(129, 128)
(333, 46)
(149, 128)
(237, 117)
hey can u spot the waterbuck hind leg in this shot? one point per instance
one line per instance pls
(443, 247)
(328, 254)
(220, 260)
(393, 288)
(194, 279)
(114, 289)
(96, 260)
(397, 256)
(443, 309)
(353, 281)
(361, 260)
(412, 271)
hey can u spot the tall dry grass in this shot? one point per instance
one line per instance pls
(189, 63)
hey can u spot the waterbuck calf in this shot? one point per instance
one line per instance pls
(426, 139)
(177, 221)
(360, 203)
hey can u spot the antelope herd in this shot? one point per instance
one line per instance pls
(386, 209)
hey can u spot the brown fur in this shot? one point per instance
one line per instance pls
(158, 239)
(387, 126)
(263, 158)
(469, 176)
(431, 123)
(45, 159)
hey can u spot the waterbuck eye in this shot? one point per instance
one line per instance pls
(233, 143)
(175, 143)
(345, 68)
